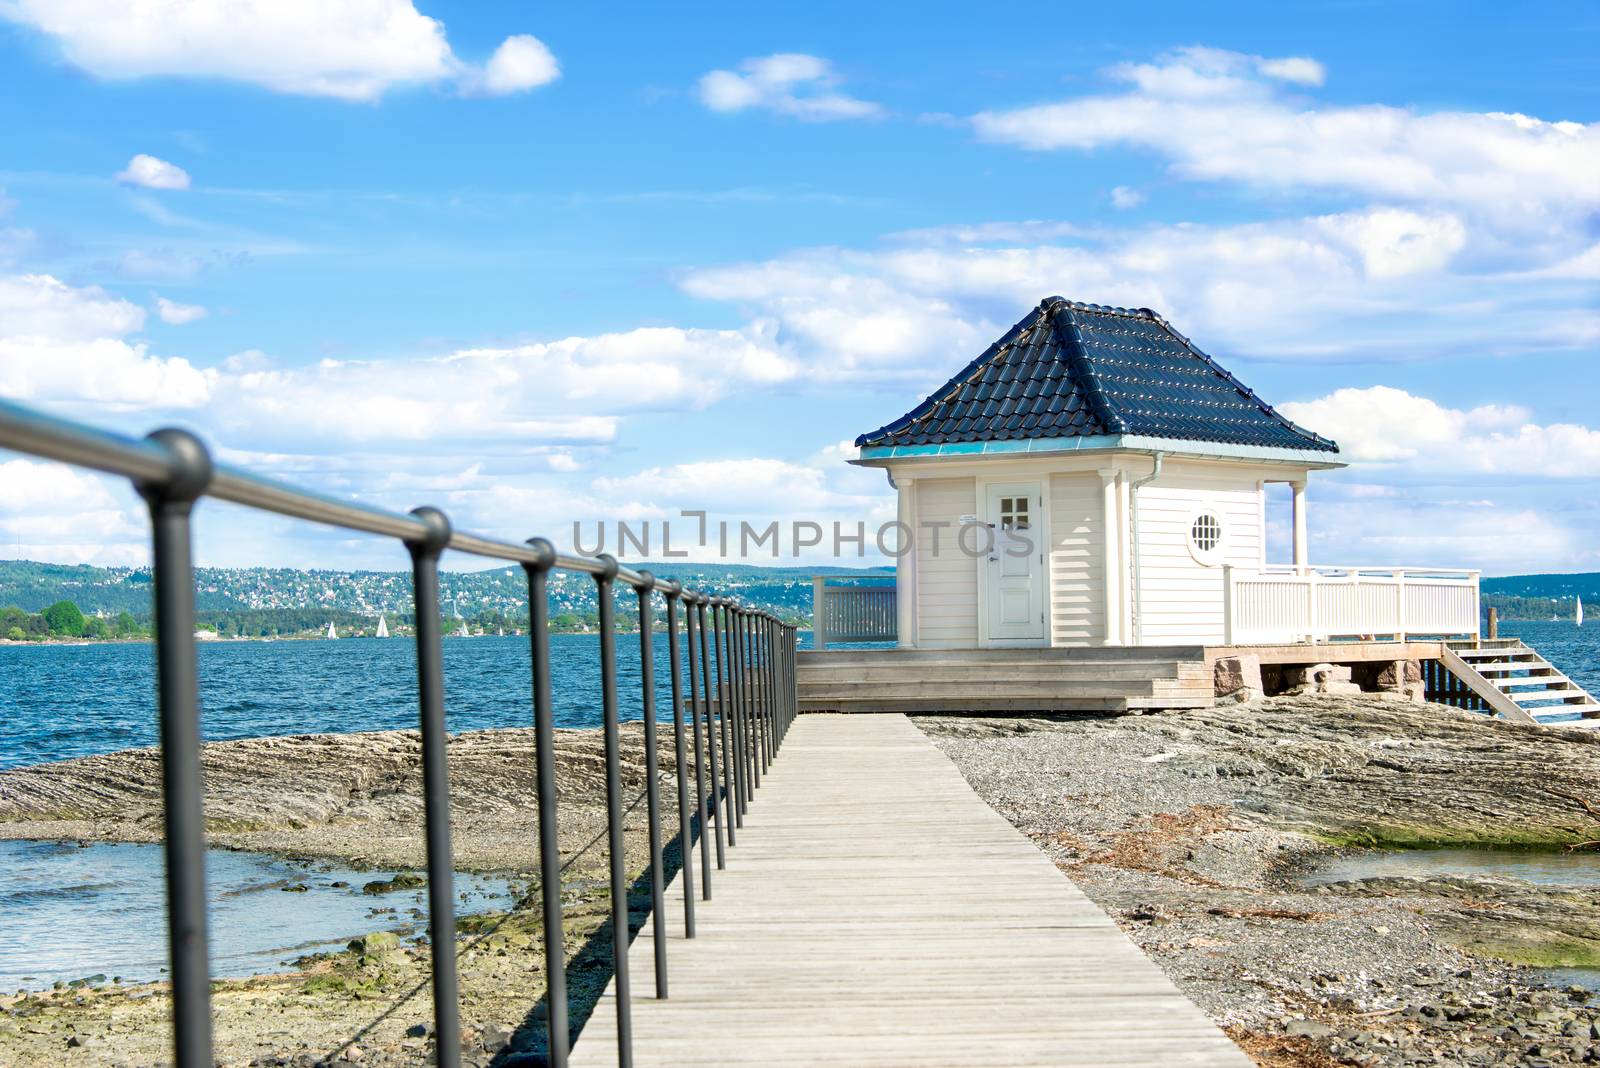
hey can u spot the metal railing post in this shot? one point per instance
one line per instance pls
(171, 501)
(652, 772)
(604, 582)
(728, 723)
(425, 554)
(769, 682)
(720, 827)
(685, 825)
(741, 703)
(758, 694)
(555, 958)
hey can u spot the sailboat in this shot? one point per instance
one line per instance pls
(1577, 620)
(462, 631)
(331, 632)
(383, 627)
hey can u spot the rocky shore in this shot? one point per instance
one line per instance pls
(355, 798)
(1193, 829)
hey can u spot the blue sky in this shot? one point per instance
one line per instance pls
(536, 266)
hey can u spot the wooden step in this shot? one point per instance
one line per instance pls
(1532, 667)
(1588, 711)
(1562, 694)
(1083, 654)
(1005, 704)
(938, 691)
(813, 674)
(1471, 655)
(1526, 681)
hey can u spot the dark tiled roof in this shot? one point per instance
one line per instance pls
(1076, 370)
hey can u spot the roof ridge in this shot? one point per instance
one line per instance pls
(1102, 309)
(1079, 364)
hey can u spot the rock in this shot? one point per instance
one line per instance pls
(1307, 1029)
(403, 881)
(497, 1036)
(1231, 674)
(1399, 674)
(376, 942)
(353, 1054)
(420, 1030)
(78, 1041)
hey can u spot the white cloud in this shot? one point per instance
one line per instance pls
(346, 49)
(153, 173)
(572, 391)
(64, 344)
(1385, 425)
(1380, 284)
(521, 63)
(1124, 196)
(174, 314)
(1221, 116)
(55, 512)
(37, 305)
(755, 491)
(792, 84)
(1496, 537)
(1301, 70)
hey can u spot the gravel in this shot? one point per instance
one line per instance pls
(1190, 828)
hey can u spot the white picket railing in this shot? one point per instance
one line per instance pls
(1296, 604)
(851, 611)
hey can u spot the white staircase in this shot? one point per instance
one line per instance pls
(1517, 683)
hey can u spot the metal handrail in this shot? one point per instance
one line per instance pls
(747, 712)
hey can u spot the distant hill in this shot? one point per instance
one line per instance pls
(1541, 596)
(499, 591)
(1558, 587)
(502, 591)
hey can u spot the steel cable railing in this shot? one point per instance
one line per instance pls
(743, 702)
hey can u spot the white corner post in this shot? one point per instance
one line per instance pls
(1124, 578)
(819, 612)
(1111, 540)
(1301, 556)
(905, 565)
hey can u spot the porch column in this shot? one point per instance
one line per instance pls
(1111, 543)
(905, 566)
(1301, 556)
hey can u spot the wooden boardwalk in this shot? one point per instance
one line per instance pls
(877, 912)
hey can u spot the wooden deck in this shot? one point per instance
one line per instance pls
(1087, 679)
(877, 912)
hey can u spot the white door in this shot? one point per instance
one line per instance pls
(1014, 568)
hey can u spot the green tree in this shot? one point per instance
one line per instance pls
(16, 634)
(126, 625)
(63, 617)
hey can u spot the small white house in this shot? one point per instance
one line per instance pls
(1093, 478)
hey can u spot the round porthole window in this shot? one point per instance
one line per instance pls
(1206, 536)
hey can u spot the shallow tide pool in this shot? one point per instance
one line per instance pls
(1549, 869)
(1570, 869)
(72, 912)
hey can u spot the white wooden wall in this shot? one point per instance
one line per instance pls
(947, 583)
(1182, 597)
(1077, 580)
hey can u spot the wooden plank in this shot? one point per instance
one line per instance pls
(1486, 690)
(877, 913)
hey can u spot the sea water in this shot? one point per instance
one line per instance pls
(1574, 650)
(75, 912)
(59, 701)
